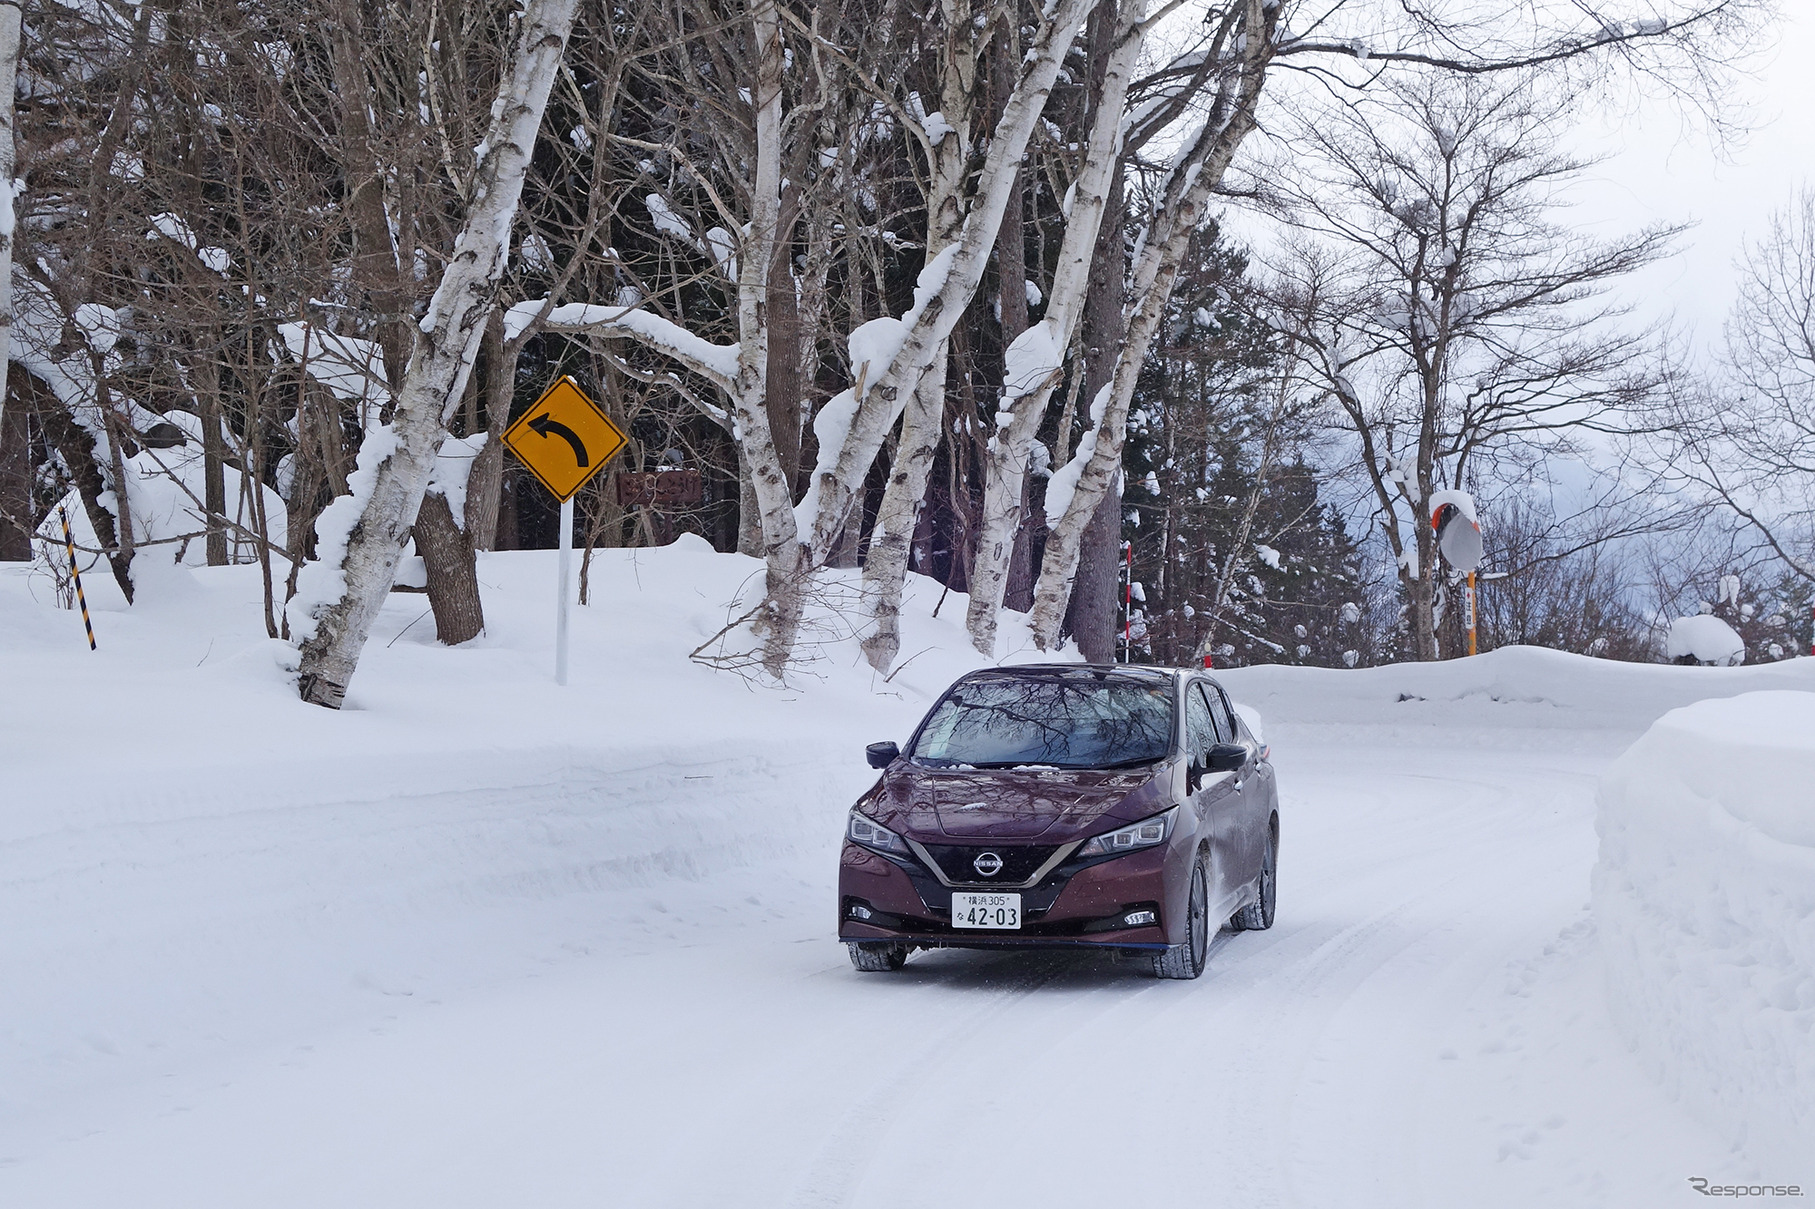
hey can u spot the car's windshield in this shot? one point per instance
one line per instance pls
(1068, 720)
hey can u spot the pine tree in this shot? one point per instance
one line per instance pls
(1208, 400)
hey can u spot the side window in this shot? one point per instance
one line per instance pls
(1200, 728)
(1225, 716)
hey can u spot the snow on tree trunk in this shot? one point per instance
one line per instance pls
(360, 537)
(1036, 357)
(1078, 488)
(852, 435)
(885, 569)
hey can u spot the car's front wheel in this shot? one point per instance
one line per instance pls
(877, 956)
(1187, 960)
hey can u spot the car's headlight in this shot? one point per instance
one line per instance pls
(864, 830)
(1144, 834)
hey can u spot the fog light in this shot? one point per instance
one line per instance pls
(1136, 918)
(859, 911)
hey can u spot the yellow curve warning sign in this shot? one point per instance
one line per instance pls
(564, 439)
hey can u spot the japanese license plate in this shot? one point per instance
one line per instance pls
(986, 910)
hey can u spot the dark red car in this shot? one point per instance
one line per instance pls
(1120, 808)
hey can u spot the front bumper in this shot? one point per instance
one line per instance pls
(1079, 904)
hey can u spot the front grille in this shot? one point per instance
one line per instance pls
(1019, 862)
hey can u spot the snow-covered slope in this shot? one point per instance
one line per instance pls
(1705, 896)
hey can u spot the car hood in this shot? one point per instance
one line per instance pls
(1045, 805)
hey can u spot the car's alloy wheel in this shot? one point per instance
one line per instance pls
(1187, 960)
(877, 956)
(1258, 915)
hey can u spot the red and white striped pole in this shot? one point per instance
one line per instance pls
(1128, 608)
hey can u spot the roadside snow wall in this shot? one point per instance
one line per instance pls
(1705, 897)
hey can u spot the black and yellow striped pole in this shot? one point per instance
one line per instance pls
(70, 543)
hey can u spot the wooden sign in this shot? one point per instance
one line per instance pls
(660, 489)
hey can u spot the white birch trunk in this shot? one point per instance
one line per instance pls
(948, 288)
(885, 569)
(786, 569)
(9, 208)
(1036, 358)
(1195, 175)
(368, 528)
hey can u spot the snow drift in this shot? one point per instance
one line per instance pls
(1705, 896)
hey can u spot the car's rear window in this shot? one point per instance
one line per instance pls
(1082, 720)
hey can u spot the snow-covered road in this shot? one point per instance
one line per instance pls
(480, 942)
(1422, 1026)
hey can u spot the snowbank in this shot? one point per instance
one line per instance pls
(1515, 686)
(1705, 897)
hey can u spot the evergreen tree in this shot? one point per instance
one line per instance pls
(1217, 443)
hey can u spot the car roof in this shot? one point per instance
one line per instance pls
(1130, 671)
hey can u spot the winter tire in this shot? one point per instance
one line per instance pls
(1187, 960)
(1257, 916)
(877, 956)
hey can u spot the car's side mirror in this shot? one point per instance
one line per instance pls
(881, 755)
(1227, 757)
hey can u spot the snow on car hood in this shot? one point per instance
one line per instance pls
(1046, 804)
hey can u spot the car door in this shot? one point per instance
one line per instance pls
(1211, 792)
(1245, 812)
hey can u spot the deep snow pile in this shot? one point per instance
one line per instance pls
(1705, 896)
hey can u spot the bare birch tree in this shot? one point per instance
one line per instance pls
(1035, 362)
(361, 535)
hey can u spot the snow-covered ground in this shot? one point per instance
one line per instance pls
(478, 940)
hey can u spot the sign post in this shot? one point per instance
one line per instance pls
(564, 440)
(1471, 612)
(1458, 531)
(563, 590)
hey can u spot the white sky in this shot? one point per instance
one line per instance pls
(1662, 172)
(1661, 169)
